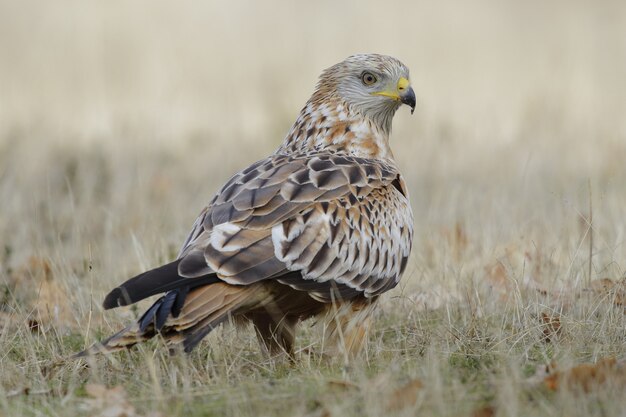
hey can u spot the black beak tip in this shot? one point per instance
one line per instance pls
(408, 98)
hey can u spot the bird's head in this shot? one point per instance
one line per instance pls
(371, 84)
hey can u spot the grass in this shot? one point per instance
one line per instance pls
(466, 322)
(107, 156)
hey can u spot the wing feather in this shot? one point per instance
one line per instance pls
(362, 250)
(335, 218)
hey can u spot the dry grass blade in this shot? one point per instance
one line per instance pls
(615, 291)
(110, 402)
(342, 384)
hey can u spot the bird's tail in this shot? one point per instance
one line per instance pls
(204, 308)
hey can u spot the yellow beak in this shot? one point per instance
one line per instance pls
(403, 92)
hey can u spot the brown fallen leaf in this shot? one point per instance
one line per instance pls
(614, 290)
(486, 411)
(517, 270)
(405, 396)
(457, 239)
(551, 326)
(587, 376)
(496, 278)
(36, 288)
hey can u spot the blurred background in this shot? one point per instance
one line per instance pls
(118, 120)
(240, 70)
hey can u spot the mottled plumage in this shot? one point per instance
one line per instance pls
(322, 226)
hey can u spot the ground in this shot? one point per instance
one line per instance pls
(498, 290)
(513, 301)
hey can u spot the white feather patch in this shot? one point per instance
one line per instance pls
(221, 235)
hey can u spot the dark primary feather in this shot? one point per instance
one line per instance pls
(148, 317)
(161, 310)
(155, 281)
(166, 308)
(193, 338)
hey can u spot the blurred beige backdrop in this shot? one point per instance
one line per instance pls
(239, 71)
(118, 119)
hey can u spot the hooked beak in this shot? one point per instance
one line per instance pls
(402, 93)
(407, 95)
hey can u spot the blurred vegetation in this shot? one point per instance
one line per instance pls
(119, 120)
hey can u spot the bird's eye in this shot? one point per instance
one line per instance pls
(368, 78)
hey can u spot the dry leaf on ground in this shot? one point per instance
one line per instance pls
(457, 240)
(614, 290)
(551, 326)
(486, 411)
(406, 395)
(37, 289)
(516, 270)
(587, 376)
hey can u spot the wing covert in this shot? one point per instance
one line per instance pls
(326, 215)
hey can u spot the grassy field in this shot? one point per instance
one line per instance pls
(118, 121)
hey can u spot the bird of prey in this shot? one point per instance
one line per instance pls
(322, 227)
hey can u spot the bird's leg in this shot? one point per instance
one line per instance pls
(347, 327)
(276, 334)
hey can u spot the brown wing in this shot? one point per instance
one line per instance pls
(364, 246)
(338, 219)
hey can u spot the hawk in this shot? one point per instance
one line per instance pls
(322, 227)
